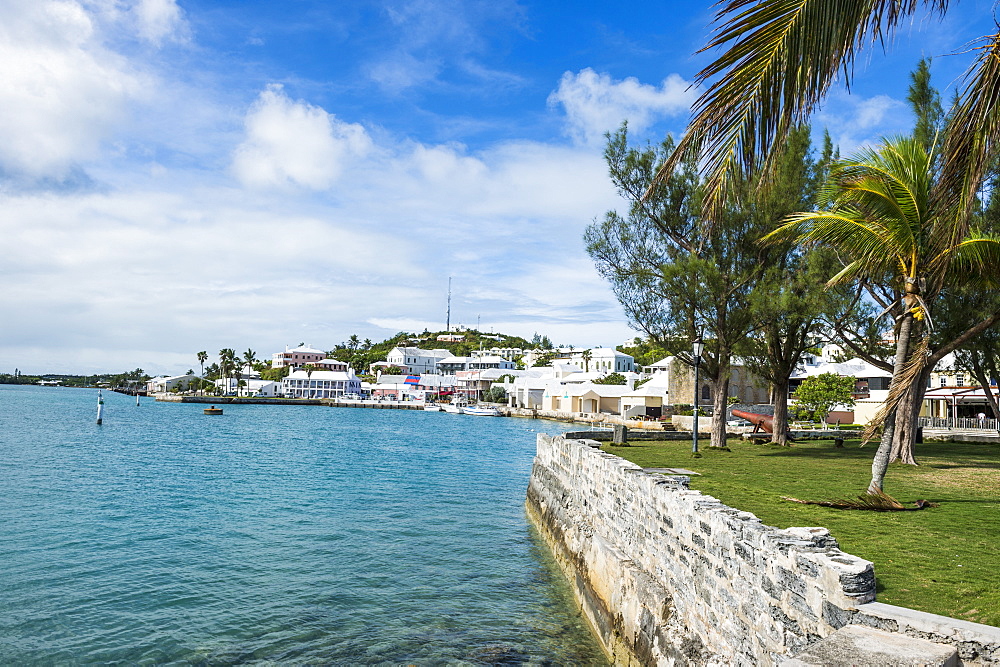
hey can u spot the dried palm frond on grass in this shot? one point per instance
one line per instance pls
(873, 502)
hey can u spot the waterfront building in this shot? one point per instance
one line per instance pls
(415, 360)
(162, 384)
(396, 387)
(585, 398)
(297, 357)
(320, 384)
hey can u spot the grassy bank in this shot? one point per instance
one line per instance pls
(943, 560)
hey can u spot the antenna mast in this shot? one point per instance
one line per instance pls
(448, 325)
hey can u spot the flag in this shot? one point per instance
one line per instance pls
(412, 379)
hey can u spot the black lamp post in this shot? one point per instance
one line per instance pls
(696, 347)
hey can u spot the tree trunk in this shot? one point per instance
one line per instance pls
(984, 382)
(720, 408)
(779, 436)
(880, 463)
(905, 436)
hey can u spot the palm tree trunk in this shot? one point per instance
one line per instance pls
(779, 436)
(880, 463)
(906, 426)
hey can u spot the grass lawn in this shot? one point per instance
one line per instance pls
(944, 560)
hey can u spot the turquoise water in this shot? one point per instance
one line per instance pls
(271, 534)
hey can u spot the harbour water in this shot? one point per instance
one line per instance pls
(271, 534)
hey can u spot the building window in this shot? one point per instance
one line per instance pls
(944, 381)
(960, 381)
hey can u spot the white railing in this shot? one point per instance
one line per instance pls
(964, 423)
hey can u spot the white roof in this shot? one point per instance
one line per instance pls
(602, 390)
(307, 349)
(418, 352)
(456, 360)
(341, 376)
(858, 368)
(647, 390)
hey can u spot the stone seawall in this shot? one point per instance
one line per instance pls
(667, 575)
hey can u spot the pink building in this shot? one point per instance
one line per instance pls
(298, 357)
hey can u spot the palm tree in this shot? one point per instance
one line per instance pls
(778, 60)
(586, 355)
(202, 358)
(227, 363)
(309, 368)
(249, 359)
(877, 209)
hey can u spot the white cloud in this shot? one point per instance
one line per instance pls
(595, 103)
(855, 121)
(295, 143)
(160, 20)
(63, 92)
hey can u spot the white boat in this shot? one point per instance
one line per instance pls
(482, 411)
(432, 407)
(456, 408)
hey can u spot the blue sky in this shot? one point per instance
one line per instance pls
(180, 175)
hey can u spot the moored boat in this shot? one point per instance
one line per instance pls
(432, 407)
(481, 411)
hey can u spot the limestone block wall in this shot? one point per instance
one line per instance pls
(667, 575)
(670, 576)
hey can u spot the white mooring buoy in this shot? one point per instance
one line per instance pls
(100, 407)
(136, 398)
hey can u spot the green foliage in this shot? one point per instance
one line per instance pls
(644, 351)
(818, 394)
(546, 359)
(495, 394)
(275, 374)
(612, 378)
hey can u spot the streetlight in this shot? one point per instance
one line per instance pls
(696, 347)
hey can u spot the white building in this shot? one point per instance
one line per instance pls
(603, 359)
(416, 361)
(320, 384)
(159, 385)
(453, 365)
(508, 353)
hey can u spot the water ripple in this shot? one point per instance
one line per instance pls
(271, 536)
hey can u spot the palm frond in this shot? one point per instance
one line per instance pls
(974, 262)
(779, 59)
(973, 137)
